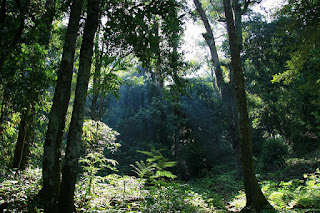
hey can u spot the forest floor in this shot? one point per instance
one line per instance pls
(294, 188)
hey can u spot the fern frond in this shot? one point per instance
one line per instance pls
(146, 153)
(167, 174)
(141, 169)
(169, 164)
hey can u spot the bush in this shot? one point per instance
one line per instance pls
(273, 153)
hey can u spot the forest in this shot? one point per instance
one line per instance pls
(106, 107)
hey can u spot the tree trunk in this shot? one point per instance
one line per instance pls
(177, 125)
(226, 92)
(102, 109)
(238, 22)
(96, 83)
(24, 140)
(159, 78)
(94, 99)
(28, 139)
(70, 167)
(255, 199)
(18, 152)
(54, 135)
(3, 113)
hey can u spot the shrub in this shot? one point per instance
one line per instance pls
(273, 153)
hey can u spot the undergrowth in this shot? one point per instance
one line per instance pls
(18, 189)
(297, 195)
(115, 193)
(112, 193)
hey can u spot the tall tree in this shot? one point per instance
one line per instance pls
(38, 37)
(96, 81)
(54, 135)
(254, 196)
(12, 24)
(70, 166)
(290, 107)
(108, 60)
(300, 19)
(226, 90)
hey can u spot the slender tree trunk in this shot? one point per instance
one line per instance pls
(177, 113)
(24, 140)
(226, 92)
(238, 22)
(96, 84)
(28, 139)
(94, 100)
(159, 78)
(102, 109)
(18, 152)
(158, 68)
(70, 168)
(255, 198)
(3, 112)
(54, 135)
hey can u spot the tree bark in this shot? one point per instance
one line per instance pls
(24, 140)
(70, 167)
(54, 135)
(238, 22)
(28, 139)
(226, 92)
(96, 83)
(3, 112)
(255, 198)
(18, 152)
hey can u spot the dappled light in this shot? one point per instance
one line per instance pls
(104, 107)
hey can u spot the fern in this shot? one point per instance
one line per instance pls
(92, 163)
(167, 174)
(154, 167)
(142, 169)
